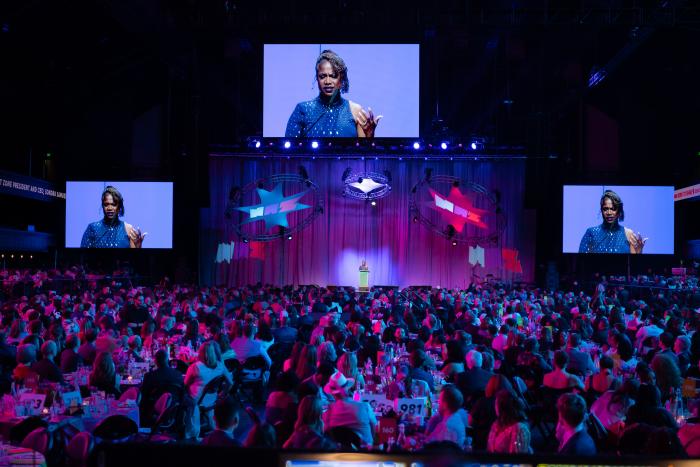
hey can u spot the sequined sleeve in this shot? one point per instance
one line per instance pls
(88, 237)
(586, 242)
(295, 124)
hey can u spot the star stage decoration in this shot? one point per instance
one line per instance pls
(366, 185)
(274, 207)
(457, 209)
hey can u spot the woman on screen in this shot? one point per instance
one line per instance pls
(110, 232)
(610, 236)
(329, 115)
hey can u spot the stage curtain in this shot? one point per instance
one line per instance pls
(329, 251)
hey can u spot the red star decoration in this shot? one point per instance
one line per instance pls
(457, 209)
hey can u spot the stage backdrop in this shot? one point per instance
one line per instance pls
(330, 250)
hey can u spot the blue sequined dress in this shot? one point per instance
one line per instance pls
(334, 121)
(103, 235)
(605, 239)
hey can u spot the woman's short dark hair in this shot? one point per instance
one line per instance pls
(617, 203)
(338, 66)
(116, 197)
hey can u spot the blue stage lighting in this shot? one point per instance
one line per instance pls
(257, 145)
(416, 145)
(443, 145)
(314, 144)
(287, 145)
(473, 146)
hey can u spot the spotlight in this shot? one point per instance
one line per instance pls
(473, 145)
(257, 144)
(373, 203)
(416, 145)
(454, 243)
(314, 144)
(289, 237)
(287, 145)
(443, 145)
(245, 240)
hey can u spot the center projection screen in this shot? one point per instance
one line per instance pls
(383, 77)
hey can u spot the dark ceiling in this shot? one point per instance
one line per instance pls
(79, 75)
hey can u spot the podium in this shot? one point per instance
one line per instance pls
(364, 279)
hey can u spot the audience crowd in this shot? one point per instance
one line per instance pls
(600, 369)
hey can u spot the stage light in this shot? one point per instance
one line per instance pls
(454, 243)
(373, 203)
(314, 144)
(245, 240)
(289, 237)
(258, 144)
(443, 145)
(416, 145)
(287, 145)
(473, 145)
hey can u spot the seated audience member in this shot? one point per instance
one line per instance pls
(483, 413)
(560, 378)
(246, 347)
(420, 366)
(158, 381)
(472, 382)
(345, 412)
(70, 359)
(281, 405)
(571, 432)
(46, 368)
(226, 417)
(611, 407)
(580, 363)
(308, 429)
(450, 423)
(87, 350)
(285, 334)
(647, 408)
(104, 375)
(26, 356)
(509, 433)
(604, 380)
(207, 367)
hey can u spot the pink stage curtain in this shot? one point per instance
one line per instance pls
(329, 251)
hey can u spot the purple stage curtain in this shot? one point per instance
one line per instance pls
(329, 251)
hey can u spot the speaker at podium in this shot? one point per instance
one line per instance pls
(364, 276)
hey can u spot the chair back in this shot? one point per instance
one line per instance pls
(79, 448)
(38, 440)
(116, 428)
(346, 437)
(26, 426)
(166, 412)
(218, 386)
(131, 394)
(163, 403)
